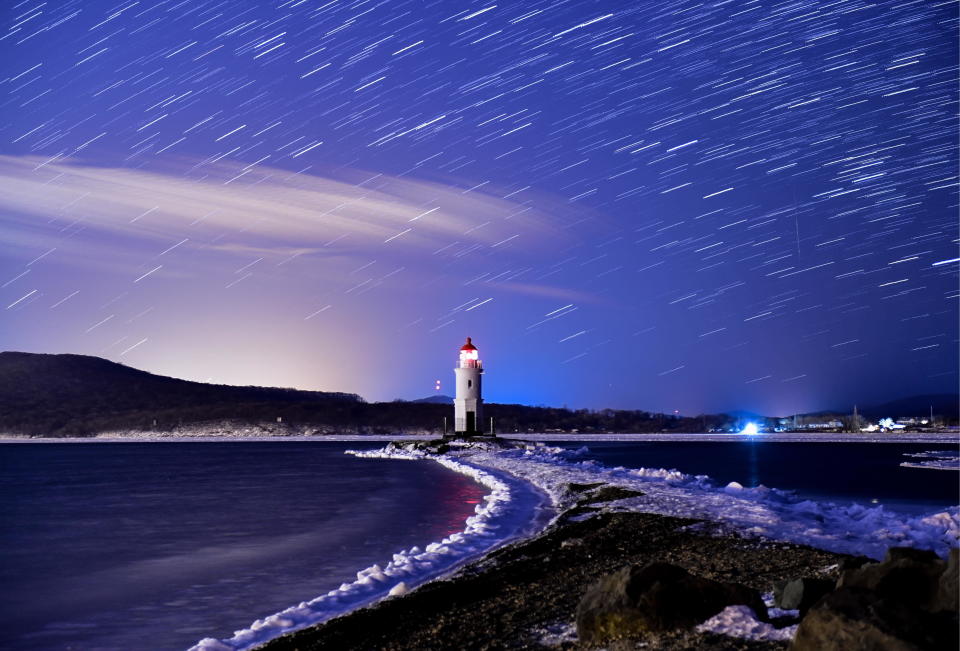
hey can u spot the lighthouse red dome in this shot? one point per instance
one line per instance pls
(469, 345)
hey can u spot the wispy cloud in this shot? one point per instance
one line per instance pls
(266, 206)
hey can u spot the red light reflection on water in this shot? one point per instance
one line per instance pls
(460, 496)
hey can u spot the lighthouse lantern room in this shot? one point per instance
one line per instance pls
(468, 401)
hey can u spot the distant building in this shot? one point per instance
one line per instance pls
(830, 424)
(468, 403)
(885, 425)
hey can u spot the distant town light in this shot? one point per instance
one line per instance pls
(750, 428)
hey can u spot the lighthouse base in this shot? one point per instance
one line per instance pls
(473, 437)
(467, 422)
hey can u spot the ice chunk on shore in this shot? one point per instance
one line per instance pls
(934, 460)
(742, 622)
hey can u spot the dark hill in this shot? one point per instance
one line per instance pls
(944, 405)
(78, 395)
(435, 400)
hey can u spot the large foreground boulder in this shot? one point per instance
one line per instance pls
(906, 602)
(801, 594)
(856, 619)
(908, 575)
(655, 597)
(948, 595)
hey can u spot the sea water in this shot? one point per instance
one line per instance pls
(156, 545)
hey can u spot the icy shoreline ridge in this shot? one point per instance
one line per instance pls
(764, 512)
(509, 473)
(934, 460)
(507, 512)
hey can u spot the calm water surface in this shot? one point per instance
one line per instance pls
(156, 545)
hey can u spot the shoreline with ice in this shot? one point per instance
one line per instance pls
(761, 511)
(206, 435)
(934, 460)
(752, 516)
(525, 593)
(512, 510)
(738, 515)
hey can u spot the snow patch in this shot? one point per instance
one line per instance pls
(556, 634)
(742, 622)
(733, 488)
(773, 611)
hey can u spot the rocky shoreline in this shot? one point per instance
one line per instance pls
(605, 559)
(602, 577)
(525, 595)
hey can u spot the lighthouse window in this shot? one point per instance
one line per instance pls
(469, 383)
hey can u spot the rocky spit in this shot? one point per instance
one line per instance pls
(626, 580)
(525, 596)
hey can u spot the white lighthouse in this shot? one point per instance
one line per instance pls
(468, 403)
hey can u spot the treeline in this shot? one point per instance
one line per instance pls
(344, 416)
(75, 395)
(521, 418)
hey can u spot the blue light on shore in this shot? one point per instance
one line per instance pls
(750, 428)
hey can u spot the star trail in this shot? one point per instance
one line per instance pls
(699, 206)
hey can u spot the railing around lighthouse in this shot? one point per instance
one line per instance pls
(471, 363)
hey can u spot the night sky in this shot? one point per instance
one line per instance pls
(699, 206)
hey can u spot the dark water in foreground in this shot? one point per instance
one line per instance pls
(866, 473)
(156, 545)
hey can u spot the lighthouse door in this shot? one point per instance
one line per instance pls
(471, 421)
